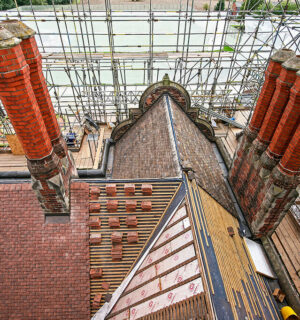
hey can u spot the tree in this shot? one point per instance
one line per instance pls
(220, 6)
(250, 5)
(7, 4)
(39, 2)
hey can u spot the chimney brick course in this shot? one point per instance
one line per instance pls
(240, 170)
(50, 170)
(34, 60)
(268, 89)
(288, 122)
(264, 188)
(280, 98)
(290, 162)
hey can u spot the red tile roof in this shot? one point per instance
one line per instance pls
(44, 267)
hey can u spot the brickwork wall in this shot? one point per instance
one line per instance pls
(288, 122)
(290, 162)
(263, 180)
(277, 105)
(34, 60)
(195, 149)
(25, 96)
(145, 150)
(44, 267)
(16, 91)
(265, 96)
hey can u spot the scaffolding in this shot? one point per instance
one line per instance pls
(98, 60)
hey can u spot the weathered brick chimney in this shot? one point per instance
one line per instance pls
(25, 96)
(265, 172)
(240, 168)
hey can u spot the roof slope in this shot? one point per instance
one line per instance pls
(44, 266)
(170, 273)
(114, 271)
(237, 290)
(197, 152)
(146, 149)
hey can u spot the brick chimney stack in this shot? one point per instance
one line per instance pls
(238, 176)
(25, 96)
(265, 173)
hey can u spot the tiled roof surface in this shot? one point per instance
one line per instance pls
(237, 290)
(44, 267)
(170, 273)
(197, 152)
(145, 151)
(114, 271)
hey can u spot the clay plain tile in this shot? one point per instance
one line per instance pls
(95, 238)
(116, 251)
(131, 221)
(111, 190)
(94, 193)
(95, 222)
(130, 205)
(94, 207)
(146, 205)
(105, 285)
(132, 237)
(129, 189)
(97, 301)
(96, 273)
(114, 222)
(147, 189)
(116, 237)
(112, 205)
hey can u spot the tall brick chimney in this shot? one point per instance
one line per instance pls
(238, 173)
(25, 96)
(266, 189)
